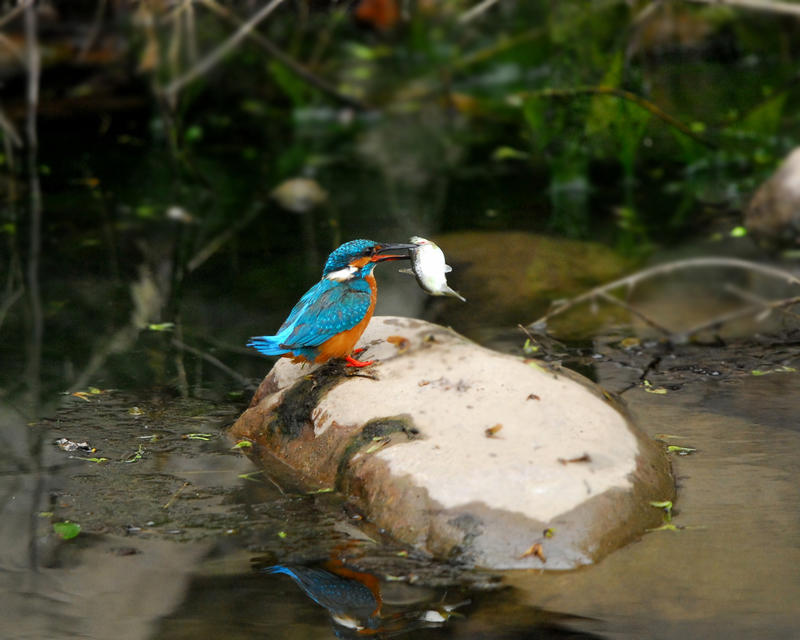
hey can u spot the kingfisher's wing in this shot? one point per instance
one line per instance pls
(327, 309)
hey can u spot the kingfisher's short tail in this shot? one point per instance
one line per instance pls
(268, 345)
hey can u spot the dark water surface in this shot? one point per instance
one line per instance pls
(177, 526)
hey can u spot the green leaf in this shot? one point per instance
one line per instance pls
(135, 457)
(161, 326)
(681, 451)
(651, 389)
(781, 369)
(509, 153)
(194, 133)
(66, 530)
(529, 347)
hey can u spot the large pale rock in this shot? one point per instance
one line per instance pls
(410, 446)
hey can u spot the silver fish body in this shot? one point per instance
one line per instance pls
(429, 268)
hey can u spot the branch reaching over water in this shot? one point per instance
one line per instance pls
(212, 59)
(216, 362)
(290, 63)
(9, 129)
(479, 9)
(771, 6)
(644, 103)
(13, 13)
(604, 293)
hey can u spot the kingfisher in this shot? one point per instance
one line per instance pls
(331, 316)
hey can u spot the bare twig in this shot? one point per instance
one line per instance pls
(616, 92)
(213, 361)
(9, 129)
(763, 303)
(191, 31)
(632, 280)
(771, 6)
(15, 12)
(476, 11)
(504, 44)
(290, 63)
(174, 496)
(213, 58)
(6, 305)
(94, 31)
(216, 243)
(718, 321)
(633, 310)
(33, 64)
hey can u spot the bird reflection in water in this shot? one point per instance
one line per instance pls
(353, 600)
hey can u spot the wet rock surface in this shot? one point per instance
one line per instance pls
(462, 452)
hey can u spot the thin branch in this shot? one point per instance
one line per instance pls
(752, 298)
(9, 129)
(476, 11)
(191, 31)
(6, 305)
(216, 243)
(94, 31)
(771, 6)
(644, 103)
(691, 263)
(290, 63)
(634, 311)
(33, 64)
(212, 360)
(754, 309)
(502, 45)
(15, 12)
(213, 58)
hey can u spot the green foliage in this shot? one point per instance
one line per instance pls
(66, 530)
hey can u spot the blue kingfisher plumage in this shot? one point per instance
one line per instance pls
(331, 316)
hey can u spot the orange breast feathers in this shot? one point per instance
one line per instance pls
(342, 344)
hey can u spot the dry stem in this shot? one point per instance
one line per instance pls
(604, 293)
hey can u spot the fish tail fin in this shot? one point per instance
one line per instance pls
(455, 294)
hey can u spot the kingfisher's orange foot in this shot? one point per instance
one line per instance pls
(352, 362)
(360, 350)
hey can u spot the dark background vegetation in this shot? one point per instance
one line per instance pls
(145, 161)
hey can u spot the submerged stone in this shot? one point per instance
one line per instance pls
(463, 452)
(517, 275)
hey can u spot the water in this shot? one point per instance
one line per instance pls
(177, 524)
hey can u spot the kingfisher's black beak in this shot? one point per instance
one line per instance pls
(393, 252)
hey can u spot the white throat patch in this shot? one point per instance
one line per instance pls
(341, 275)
